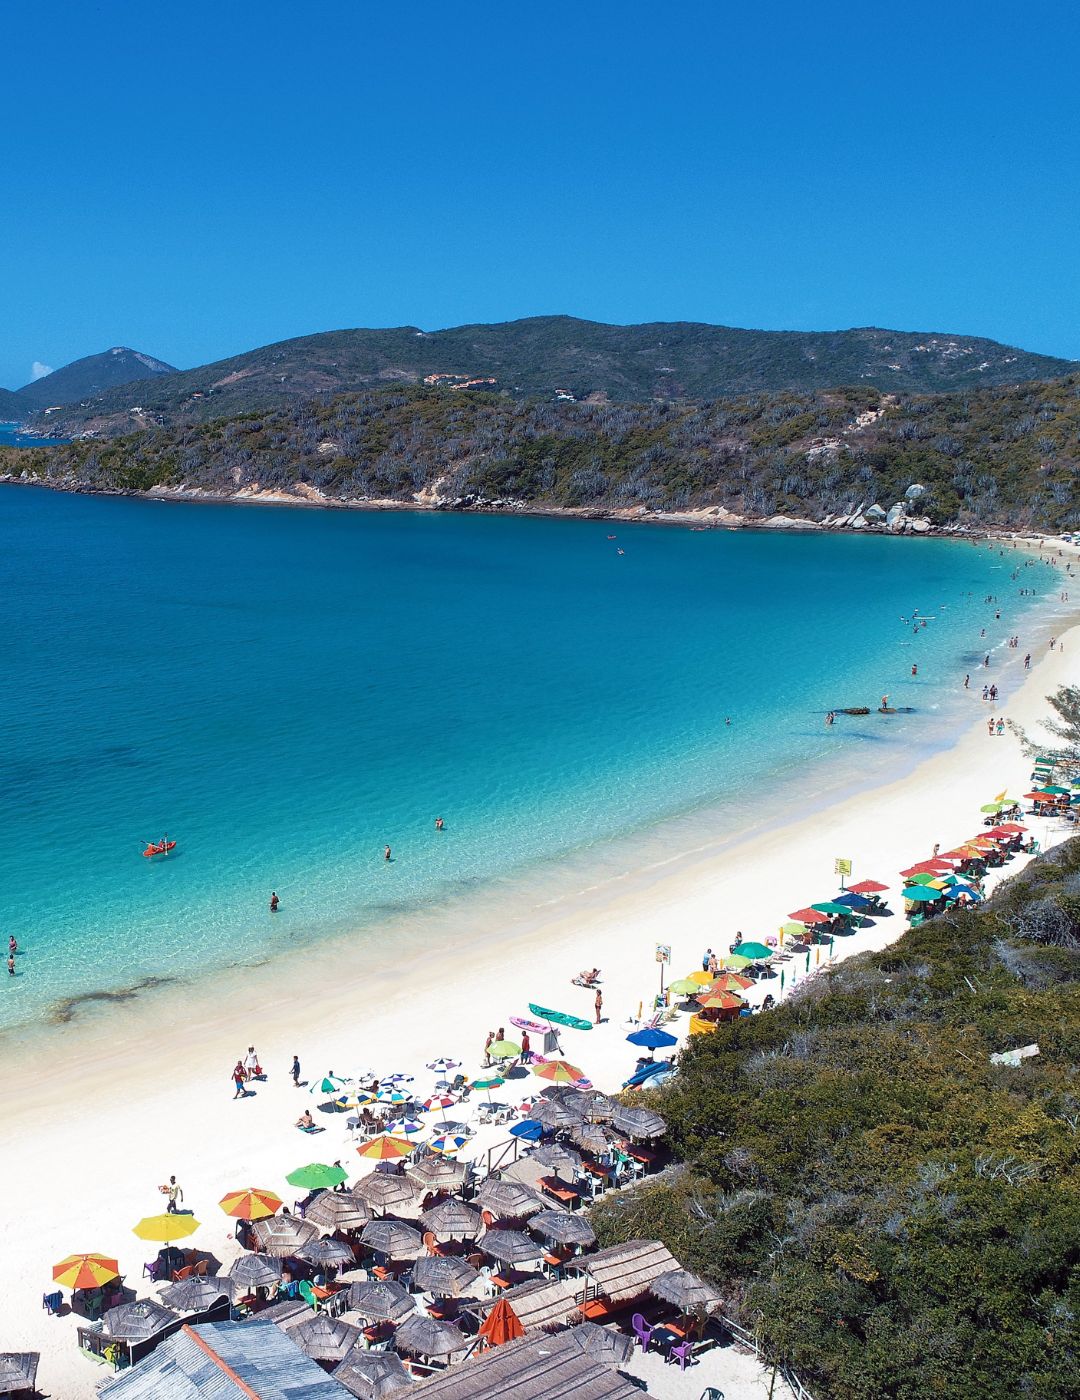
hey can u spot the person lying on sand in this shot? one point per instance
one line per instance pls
(587, 979)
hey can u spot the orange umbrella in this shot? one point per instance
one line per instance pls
(85, 1271)
(731, 982)
(385, 1148)
(502, 1324)
(723, 1001)
(808, 916)
(558, 1072)
(250, 1204)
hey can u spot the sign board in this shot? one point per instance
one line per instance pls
(843, 867)
(663, 953)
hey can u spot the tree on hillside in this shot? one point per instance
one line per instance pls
(1065, 702)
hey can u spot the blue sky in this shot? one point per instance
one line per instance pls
(197, 179)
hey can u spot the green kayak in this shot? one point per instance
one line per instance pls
(560, 1018)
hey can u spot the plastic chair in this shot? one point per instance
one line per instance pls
(305, 1290)
(682, 1352)
(52, 1302)
(711, 1393)
(642, 1331)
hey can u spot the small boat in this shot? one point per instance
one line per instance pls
(533, 1027)
(159, 848)
(560, 1018)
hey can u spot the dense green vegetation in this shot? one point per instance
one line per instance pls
(665, 361)
(890, 1213)
(1007, 456)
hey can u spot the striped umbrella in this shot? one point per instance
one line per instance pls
(404, 1126)
(394, 1096)
(385, 1148)
(444, 1066)
(558, 1072)
(439, 1101)
(448, 1144)
(252, 1203)
(85, 1271)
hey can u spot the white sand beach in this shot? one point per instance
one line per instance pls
(101, 1111)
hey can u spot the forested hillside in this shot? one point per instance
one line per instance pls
(890, 1213)
(1007, 456)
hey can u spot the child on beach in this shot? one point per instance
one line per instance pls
(240, 1081)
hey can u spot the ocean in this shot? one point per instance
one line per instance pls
(287, 691)
(11, 437)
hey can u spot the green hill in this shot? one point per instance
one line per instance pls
(544, 355)
(89, 377)
(998, 457)
(12, 410)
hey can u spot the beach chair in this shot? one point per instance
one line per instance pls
(682, 1352)
(52, 1302)
(642, 1331)
(711, 1393)
(307, 1292)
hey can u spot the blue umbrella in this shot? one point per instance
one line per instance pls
(529, 1129)
(652, 1037)
(853, 901)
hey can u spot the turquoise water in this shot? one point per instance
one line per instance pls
(284, 691)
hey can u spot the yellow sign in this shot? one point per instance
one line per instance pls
(843, 867)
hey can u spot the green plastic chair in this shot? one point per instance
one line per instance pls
(306, 1292)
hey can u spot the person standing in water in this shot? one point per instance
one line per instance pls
(439, 824)
(274, 902)
(386, 853)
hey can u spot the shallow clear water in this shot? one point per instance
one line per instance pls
(284, 691)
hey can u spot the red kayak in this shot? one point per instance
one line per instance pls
(159, 848)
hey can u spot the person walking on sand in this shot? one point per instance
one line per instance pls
(251, 1062)
(487, 1046)
(239, 1080)
(174, 1193)
(1027, 662)
(526, 1048)
(598, 1005)
(1000, 727)
(990, 725)
(295, 1071)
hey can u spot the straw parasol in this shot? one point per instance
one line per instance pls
(386, 1191)
(283, 1235)
(136, 1322)
(554, 1114)
(338, 1210)
(196, 1294)
(443, 1275)
(604, 1344)
(563, 1228)
(392, 1238)
(685, 1291)
(638, 1122)
(325, 1338)
(426, 1336)
(508, 1200)
(85, 1271)
(594, 1106)
(255, 1271)
(555, 1155)
(250, 1203)
(511, 1247)
(370, 1375)
(453, 1218)
(18, 1372)
(592, 1137)
(325, 1254)
(436, 1171)
(380, 1300)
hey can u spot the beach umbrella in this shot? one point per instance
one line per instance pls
(444, 1066)
(387, 1191)
(397, 1079)
(593, 1106)
(558, 1072)
(638, 1122)
(438, 1101)
(326, 1254)
(380, 1300)
(163, 1229)
(407, 1127)
(198, 1294)
(652, 1038)
(503, 1050)
(529, 1128)
(603, 1344)
(384, 1148)
(684, 986)
(553, 1114)
(735, 962)
(723, 1001)
(920, 894)
(251, 1203)
(451, 1127)
(792, 930)
(757, 952)
(501, 1325)
(868, 887)
(702, 978)
(449, 1143)
(428, 1336)
(392, 1238)
(508, 1200)
(557, 1156)
(316, 1176)
(137, 1321)
(592, 1137)
(510, 1247)
(685, 1291)
(563, 1228)
(438, 1172)
(283, 1235)
(453, 1218)
(355, 1098)
(1055, 791)
(85, 1271)
(809, 916)
(994, 807)
(443, 1276)
(921, 877)
(330, 1084)
(393, 1096)
(371, 1375)
(337, 1210)
(325, 1338)
(491, 1081)
(731, 982)
(255, 1271)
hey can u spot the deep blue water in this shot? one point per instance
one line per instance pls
(285, 690)
(9, 437)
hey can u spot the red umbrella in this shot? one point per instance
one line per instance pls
(927, 867)
(867, 887)
(502, 1324)
(1013, 828)
(808, 916)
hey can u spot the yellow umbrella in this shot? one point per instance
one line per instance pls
(385, 1148)
(701, 978)
(558, 1072)
(85, 1271)
(163, 1229)
(250, 1204)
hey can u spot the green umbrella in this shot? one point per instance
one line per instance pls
(503, 1050)
(793, 930)
(923, 877)
(493, 1081)
(831, 907)
(920, 894)
(1057, 791)
(317, 1176)
(736, 962)
(754, 952)
(330, 1085)
(994, 806)
(685, 987)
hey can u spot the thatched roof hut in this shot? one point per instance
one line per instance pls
(605, 1344)
(626, 1271)
(543, 1303)
(196, 1294)
(558, 1156)
(426, 1336)
(327, 1254)
(686, 1292)
(443, 1276)
(638, 1122)
(592, 1137)
(380, 1300)
(453, 1219)
(383, 1191)
(18, 1371)
(255, 1271)
(282, 1235)
(138, 1321)
(371, 1375)
(510, 1247)
(553, 1113)
(530, 1369)
(437, 1171)
(393, 1238)
(324, 1338)
(508, 1200)
(338, 1210)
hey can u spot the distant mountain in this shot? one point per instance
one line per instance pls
(560, 357)
(88, 378)
(12, 409)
